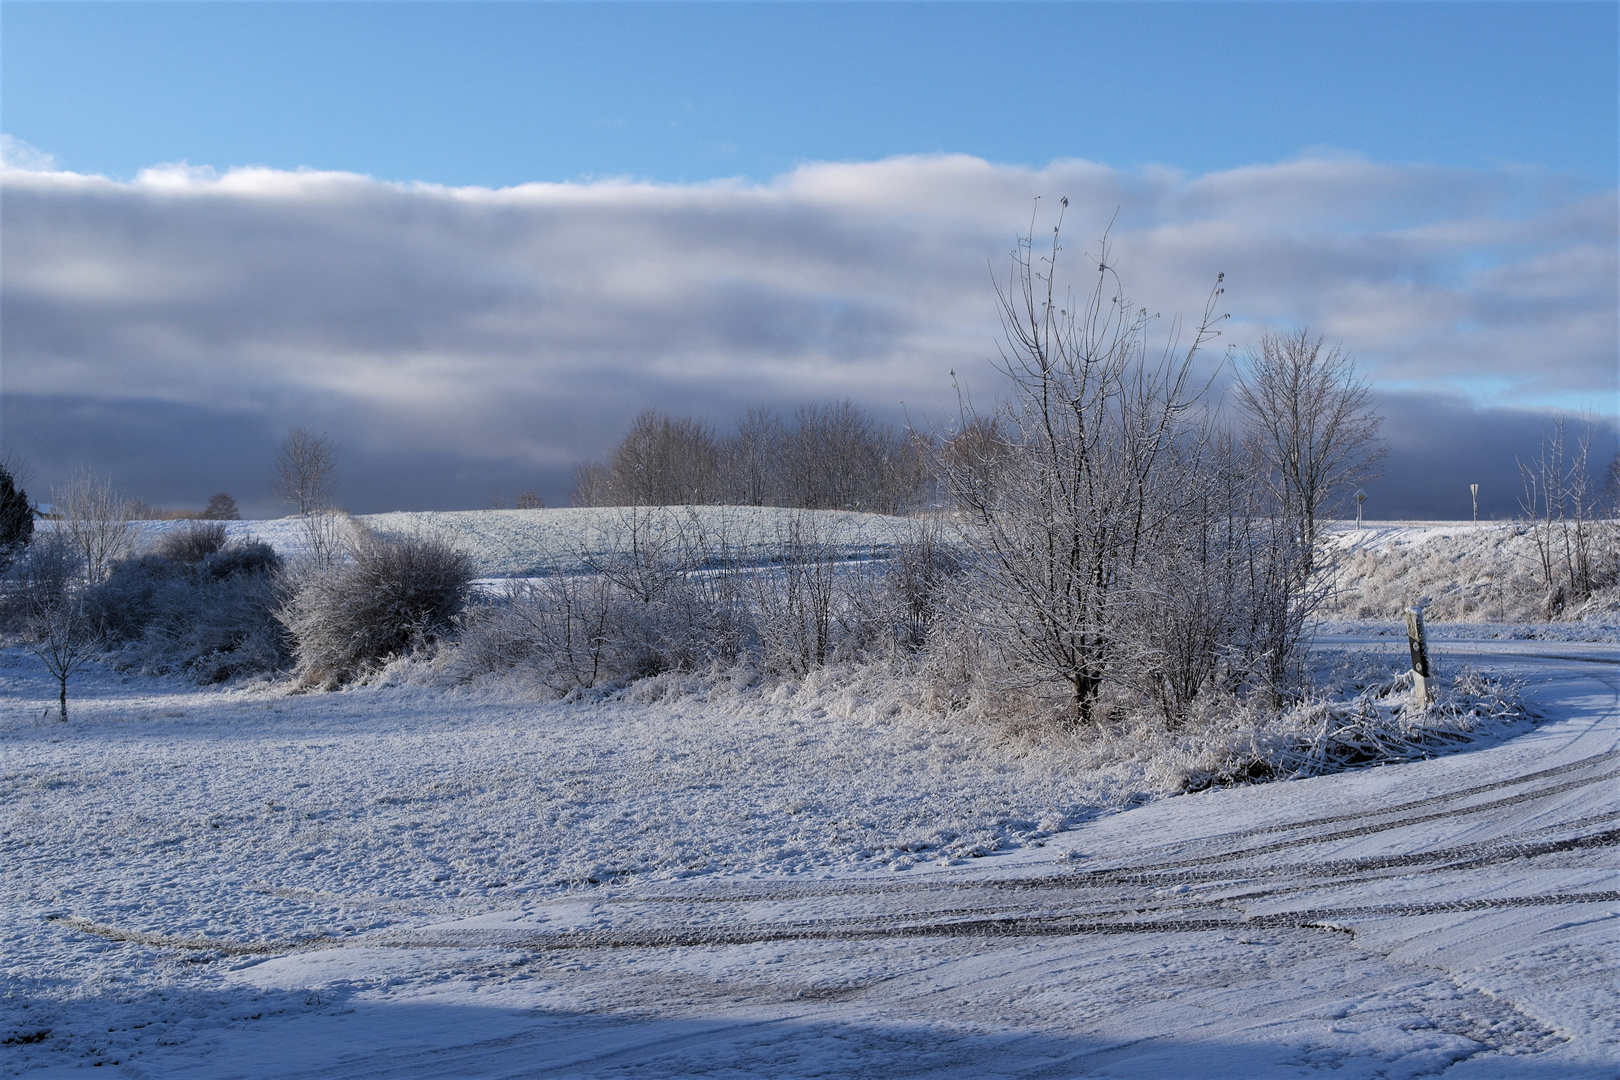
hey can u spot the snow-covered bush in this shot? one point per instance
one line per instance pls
(196, 606)
(384, 597)
(1373, 721)
(48, 569)
(191, 543)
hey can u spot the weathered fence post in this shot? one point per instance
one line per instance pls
(1422, 670)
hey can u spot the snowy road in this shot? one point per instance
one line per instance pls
(1451, 917)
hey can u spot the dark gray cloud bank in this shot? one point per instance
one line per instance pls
(467, 343)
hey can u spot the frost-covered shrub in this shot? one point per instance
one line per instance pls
(191, 543)
(194, 606)
(1371, 722)
(577, 632)
(49, 568)
(665, 596)
(386, 597)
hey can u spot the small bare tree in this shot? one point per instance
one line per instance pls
(96, 518)
(306, 470)
(62, 635)
(1315, 428)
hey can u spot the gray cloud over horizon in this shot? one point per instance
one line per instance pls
(171, 327)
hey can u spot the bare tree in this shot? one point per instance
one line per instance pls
(840, 457)
(61, 634)
(836, 456)
(306, 470)
(591, 487)
(662, 460)
(751, 460)
(1315, 428)
(97, 520)
(1087, 483)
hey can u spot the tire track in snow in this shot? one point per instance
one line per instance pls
(1057, 925)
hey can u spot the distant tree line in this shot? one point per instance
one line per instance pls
(831, 456)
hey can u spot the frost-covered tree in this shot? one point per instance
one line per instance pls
(62, 635)
(1314, 426)
(1074, 492)
(97, 520)
(306, 470)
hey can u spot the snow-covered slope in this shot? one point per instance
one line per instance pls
(1485, 572)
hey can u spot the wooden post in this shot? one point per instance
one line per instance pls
(1473, 489)
(1422, 670)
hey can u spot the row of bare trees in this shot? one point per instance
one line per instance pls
(832, 456)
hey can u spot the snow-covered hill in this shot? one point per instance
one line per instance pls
(1469, 572)
(530, 543)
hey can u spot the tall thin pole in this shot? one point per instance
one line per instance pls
(1473, 489)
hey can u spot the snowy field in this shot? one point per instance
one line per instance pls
(394, 881)
(530, 543)
(1472, 573)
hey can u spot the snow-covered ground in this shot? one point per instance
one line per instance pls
(409, 882)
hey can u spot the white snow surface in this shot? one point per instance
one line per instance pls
(695, 880)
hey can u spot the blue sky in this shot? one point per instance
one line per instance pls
(473, 240)
(498, 94)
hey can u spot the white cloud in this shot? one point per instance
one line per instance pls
(480, 323)
(18, 156)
